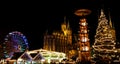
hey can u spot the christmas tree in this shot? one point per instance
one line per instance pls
(104, 44)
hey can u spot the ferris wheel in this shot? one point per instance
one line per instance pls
(14, 42)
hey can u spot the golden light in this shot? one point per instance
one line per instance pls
(83, 23)
(85, 48)
(42, 60)
(84, 39)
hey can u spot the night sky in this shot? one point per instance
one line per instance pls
(33, 18)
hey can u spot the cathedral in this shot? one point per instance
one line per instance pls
(59, 40)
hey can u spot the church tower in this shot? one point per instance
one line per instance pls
(59, 40)
(112, 31)
(65, 27)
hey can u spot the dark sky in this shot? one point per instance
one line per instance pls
(33, 18)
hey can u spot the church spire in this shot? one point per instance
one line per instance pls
(64, 26)
(68, 25)
(110, 22)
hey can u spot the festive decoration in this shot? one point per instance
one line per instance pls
(104, 45)
(84, 44)
(104, 40)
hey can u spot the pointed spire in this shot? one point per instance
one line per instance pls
(110, 22)
(63, 25)
(102, 13)
(68, 25)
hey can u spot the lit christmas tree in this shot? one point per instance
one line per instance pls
(104, 45)
(104, 40)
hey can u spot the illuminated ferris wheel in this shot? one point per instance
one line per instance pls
(14, 42)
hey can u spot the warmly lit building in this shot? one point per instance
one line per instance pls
(59, 40)
(49, 42)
